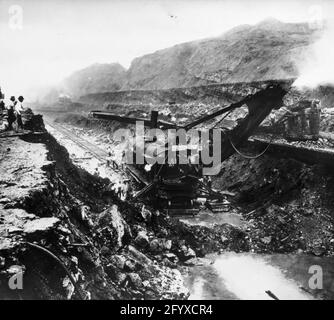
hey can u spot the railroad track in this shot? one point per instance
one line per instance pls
(97, 152)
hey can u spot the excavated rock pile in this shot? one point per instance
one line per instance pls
(288, 205)
(48, 202)
(71, 238)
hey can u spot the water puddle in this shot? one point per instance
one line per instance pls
(249, 276)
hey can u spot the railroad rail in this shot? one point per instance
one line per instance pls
(97, 152)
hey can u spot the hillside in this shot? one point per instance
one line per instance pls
(269, 50)
(95, 78)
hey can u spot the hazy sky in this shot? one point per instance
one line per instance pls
(57, 37)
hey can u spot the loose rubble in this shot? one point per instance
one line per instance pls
(110, 249)
(287, 204)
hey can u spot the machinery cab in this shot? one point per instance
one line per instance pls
(303, 121)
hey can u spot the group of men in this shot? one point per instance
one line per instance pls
(14, 112)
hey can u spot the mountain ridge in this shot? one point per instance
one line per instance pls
(268, 50)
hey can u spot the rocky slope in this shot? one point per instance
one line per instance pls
(268, 50)
(72, 238)
(48, 203)
(288, 204)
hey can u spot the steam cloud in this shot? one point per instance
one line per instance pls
(318, 69)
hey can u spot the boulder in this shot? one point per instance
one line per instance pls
(154, 245)
(118, 261)
(318, 250)
(167, 244)
(121, 278)
(160, 244)
(224, 239)
(135, 280)
(105, 251)
(190, 253)
(41, 225)
(142, 239)
(171, 256)
(168, 263)
(191, 262)
(113, 220)
(266, 240)
(198, 262)
(129, 265)
(187, 253)
(141, 258)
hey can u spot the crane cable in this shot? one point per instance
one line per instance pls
(61, 263)
(235, 148)
(247, 156)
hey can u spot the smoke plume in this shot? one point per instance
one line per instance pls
(318, 69)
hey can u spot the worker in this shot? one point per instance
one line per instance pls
(125, 189)
(209, 181)
(11, 113)
(314, 119)
(18, 110)
(2, 106)
(109, 159)
(128, 189)
(120, 190)
(12, 102)
(123, 159)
